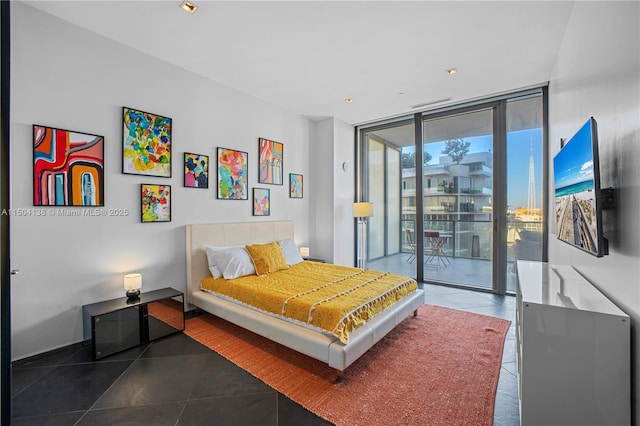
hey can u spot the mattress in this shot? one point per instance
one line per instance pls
(332, 298)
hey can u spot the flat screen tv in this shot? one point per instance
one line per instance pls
(576, 170)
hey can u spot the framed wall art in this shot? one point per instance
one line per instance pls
(68, 168)
(270, 162)
(295, 185)
(146, 139)
(232, 174)
(261, 202)
(196, 170)
(155, 202)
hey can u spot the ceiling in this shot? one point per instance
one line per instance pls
(309, 56)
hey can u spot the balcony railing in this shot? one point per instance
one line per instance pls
(469, 239)
(480, 170)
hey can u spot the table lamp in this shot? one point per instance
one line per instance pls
(133, 284)
(304, 252)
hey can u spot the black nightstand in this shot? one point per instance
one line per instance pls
(313, 259)
(115, 325)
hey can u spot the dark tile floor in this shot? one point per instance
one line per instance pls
(177, 381)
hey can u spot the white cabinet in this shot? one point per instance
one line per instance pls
(573, 350)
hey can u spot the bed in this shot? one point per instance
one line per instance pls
(317, 344)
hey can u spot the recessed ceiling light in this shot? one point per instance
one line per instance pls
(189, 7)
(452, 71)
(349, 100)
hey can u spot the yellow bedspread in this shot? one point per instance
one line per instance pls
(334, 298)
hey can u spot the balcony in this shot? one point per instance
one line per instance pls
(437, 170)
(441, 190)
(480, 171)
(479, 191)
(468, 249)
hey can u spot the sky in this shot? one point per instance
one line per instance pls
(519, 146)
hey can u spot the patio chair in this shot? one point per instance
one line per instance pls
(412, 244)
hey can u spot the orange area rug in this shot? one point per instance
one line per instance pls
(439, 368)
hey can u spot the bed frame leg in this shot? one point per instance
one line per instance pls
(415, 313)
(339, 376)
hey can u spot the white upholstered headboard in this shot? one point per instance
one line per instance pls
(226, 234)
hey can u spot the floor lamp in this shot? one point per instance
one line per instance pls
(362, 211)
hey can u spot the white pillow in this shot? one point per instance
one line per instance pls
(232, 262)
(291, 251)
(211, 260)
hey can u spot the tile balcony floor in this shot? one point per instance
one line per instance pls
(177, 381)
(459, 270)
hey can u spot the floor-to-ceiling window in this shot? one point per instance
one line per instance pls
(377, 195)
(525, 180)
(458, 197)
(389, 161)
(384, 172)
(481, 172)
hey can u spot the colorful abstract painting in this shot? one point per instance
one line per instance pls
(270, 160)
(232, 174)
(146, 143)
(156, 203)
(295, 185)
(196, 170)
(261, 202)
(68, 168)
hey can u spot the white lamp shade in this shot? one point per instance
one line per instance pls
(362, 209)
(132, 282)
(304, 251)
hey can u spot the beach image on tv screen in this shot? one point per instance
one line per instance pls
(576, 221)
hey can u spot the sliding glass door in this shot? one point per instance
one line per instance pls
(458, 198)
(458, 193)
(390, 186)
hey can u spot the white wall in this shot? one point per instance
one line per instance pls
(332, 208)
(322, 205)
(598, 74)
(343, 193)
(64, 76)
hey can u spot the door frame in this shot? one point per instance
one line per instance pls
(499, 202)
(5, 295)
